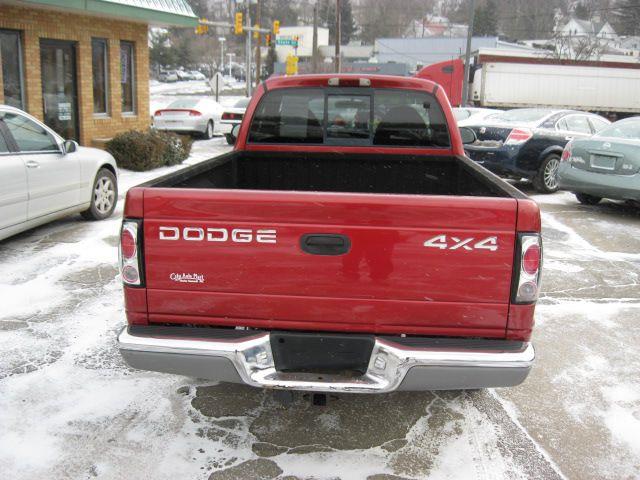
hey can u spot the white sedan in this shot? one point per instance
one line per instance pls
(190, 115)
(43, 177)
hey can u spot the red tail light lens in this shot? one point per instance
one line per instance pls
(194, 113)
(518, 136)
(531, 260)
(566, 153)
(127, 244)
(157, 113)
(227, 116)
(527, 270)
(130, 267)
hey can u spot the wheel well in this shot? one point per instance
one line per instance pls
(108, 167)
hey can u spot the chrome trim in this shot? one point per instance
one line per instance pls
(388, 366)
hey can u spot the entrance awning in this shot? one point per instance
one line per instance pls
(153, 12)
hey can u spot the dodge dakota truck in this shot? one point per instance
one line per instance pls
(346, 244)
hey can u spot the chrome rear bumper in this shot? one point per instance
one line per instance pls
(392, 366)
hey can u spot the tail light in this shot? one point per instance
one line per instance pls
(194, 113)
(526, 279)
(130, 253)
(566, 153)
(518, 136)
(157, 113)
(227, 116)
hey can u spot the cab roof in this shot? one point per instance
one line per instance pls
(347, 80)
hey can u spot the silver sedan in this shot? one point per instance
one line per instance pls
(43, 177)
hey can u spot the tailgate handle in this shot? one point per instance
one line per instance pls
(325, 244)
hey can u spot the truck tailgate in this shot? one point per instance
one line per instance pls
(387, 282)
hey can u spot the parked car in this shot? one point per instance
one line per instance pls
(196, 75)
(469, 115)
(43, 177)
(190, 115)
(606, 165)
(360, 256)
(168, 77)
(526, 143)
(184, 75)
(233, 116)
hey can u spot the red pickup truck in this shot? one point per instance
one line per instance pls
(346, 244)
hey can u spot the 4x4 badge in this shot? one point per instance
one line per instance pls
(454, 243)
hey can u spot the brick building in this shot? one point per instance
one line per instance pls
(82, 66)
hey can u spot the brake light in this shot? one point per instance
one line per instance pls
(349, 82)
(518, 136)
(528, 267)
(566, 153)
(130, 267)
(194, 113)
(157, 113)
(227, 116)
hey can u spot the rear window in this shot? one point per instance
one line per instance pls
(184, 103)
(384, 117)
(629, 129)
(242, 103)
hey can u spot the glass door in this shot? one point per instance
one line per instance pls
(59, 89)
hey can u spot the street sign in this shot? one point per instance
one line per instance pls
(287, 41)
(216, 83)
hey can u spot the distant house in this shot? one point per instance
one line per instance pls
(588, 28)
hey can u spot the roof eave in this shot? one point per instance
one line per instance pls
(119, 10)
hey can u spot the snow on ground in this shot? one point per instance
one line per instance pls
(70, 408)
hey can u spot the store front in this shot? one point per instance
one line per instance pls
(82, 67)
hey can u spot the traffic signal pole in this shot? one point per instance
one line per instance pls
(247, 52)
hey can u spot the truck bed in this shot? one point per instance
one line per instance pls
(339, 172)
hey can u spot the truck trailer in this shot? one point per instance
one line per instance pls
(512, 79)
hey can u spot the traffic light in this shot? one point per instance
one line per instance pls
(267, 39)
(276, 27)
(238, 24)
(256, 34)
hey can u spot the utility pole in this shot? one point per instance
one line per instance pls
(258, 43)
(247, 53)
(314, 51)
(338, 36)
(467, 54)
(221, 40)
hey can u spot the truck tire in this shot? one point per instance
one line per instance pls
(546, 180)
(587, 199)
(104, 196)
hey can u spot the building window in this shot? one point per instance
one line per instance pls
(100, 62)
(12, 72)
(127, 76)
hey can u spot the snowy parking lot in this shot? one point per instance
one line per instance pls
(70, 408)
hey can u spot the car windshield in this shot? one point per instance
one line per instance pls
(242, 103)
(184, 103)
(624, 129)
(461, 113)
(519, 115)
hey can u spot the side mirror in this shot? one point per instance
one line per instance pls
(234, 132)
(70, 146)
(467, 135)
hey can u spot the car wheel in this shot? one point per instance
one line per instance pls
(546, 180)
(208, 133)
(104, 196)
(230, 139)
(587, 199)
